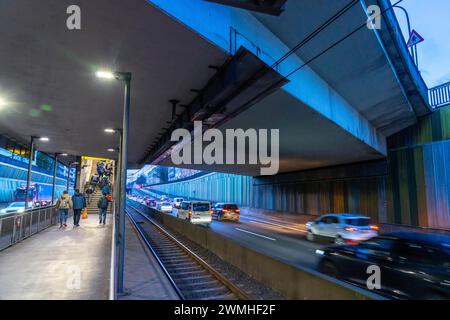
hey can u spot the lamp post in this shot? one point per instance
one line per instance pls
(123, 156)
(412, 50)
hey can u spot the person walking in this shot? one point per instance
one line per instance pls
(106, 188)
(63, 204)
(79, 203)
(89, 191)
(103, 206)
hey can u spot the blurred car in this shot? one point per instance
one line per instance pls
(226, 211)
(412, 265)
(196, 212)
(341, 228)
(151, 202)
(14, 207)
(165, 206)
(177, 202)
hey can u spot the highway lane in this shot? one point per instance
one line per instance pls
(274, 239)
(281, 243)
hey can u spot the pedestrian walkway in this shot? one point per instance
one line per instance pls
(70, 263)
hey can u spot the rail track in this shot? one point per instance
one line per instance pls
(191, 277)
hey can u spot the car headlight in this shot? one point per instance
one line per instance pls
(3, 211)
(320, 252)
(21, 210)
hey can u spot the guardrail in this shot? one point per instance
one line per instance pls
(18, 226)
(439, 96)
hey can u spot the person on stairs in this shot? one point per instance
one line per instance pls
(79, 203)
(103, 206)
(63, 204)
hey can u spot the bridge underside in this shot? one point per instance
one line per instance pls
(323, 119)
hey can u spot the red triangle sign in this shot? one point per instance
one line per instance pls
(414, 38)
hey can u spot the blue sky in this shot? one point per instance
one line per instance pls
(431, 19)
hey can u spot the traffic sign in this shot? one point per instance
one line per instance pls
(414, 38)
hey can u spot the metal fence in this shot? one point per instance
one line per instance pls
(439, 96)
(16, 227)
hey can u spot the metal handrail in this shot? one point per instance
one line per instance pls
(18, 226)
(439, 96)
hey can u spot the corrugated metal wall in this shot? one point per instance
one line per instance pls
(419, 180)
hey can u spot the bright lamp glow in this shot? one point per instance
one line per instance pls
(44, 139)
(63, 154)
(109, 130)
(111, 150)
(2, 102)
(105, 74)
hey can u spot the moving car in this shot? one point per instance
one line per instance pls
(165, 206)
(14, 207)
(197, 212)
(412, 265)
(177, 202)
(341, 228)
(151, 202)
(226, 211)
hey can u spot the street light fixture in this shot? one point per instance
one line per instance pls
(123, 153)
(104, 74)
(2, 102)
(111, 150)
(44, 139)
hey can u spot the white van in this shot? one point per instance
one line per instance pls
(197, 212)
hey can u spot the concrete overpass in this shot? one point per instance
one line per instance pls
(337, 109)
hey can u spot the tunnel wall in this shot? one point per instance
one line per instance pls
(418, 185)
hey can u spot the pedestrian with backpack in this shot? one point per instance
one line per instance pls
(79, 203)
(103, 206)
(63, 204)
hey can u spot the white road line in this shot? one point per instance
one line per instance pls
(256, 234)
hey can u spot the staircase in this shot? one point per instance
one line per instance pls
(91, 202)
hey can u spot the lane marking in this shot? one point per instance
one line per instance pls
(256, 234)
(277, 225)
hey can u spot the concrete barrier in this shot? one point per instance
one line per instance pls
(291, 281)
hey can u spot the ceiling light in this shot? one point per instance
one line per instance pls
(44, 139)
(109, 130)
(105, 74)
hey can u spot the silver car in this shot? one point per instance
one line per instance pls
(341, 228)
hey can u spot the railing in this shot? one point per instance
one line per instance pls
(18, 226)
(439, 96)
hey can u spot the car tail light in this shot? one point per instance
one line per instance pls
(224, 210)
(350, 229)
(211, 212)
(237, 210)
(376, 228)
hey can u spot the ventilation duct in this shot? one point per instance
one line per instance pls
(273, 7)
(240, 83)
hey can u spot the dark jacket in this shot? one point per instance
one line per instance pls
(103, 202)
(78, 200)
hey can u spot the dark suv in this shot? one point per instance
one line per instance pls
(412, 265)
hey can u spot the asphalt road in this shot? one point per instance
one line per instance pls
(276, 239)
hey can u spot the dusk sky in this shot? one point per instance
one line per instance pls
(430, 18)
